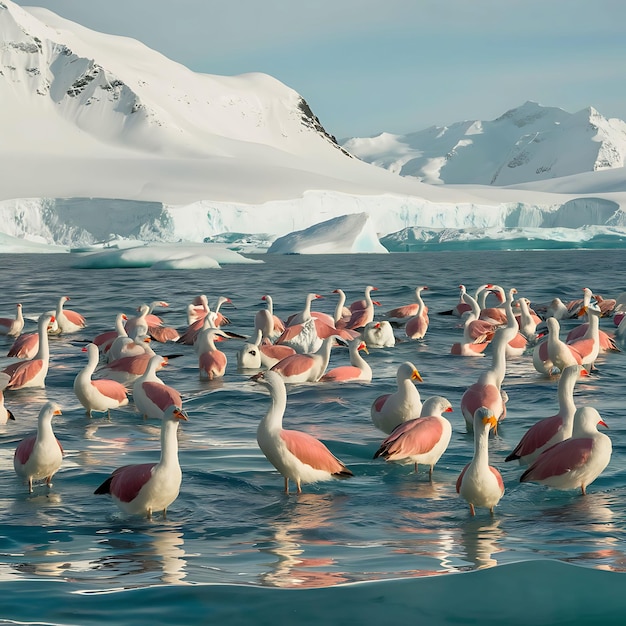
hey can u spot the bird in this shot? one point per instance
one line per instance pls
(41, 455)
(249, 355)
(137, 326)
(12, 327)
(487, 390)
(269, 324)
(420, 440)
(298, 456)
(389, 410)
(272, 353)
(378, 335)
(33, 372)
(68, 321)
(99, 395)
(550, 430)
(479, 483)
(128, 369)
(305, 368)
(151, 395)
(553, 355)
(342, 312)
(358, 370)
(588, 344)
(417, 325)
(477, 333)
(557, 309)
(211, 361)
(148, 487)
(105, 340)
(25, 346)
(576, 462)
(408, 310)
(361, 317)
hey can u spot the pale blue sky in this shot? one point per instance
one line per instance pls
(368, 66)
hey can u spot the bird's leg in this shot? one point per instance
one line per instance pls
(149, 514)
(582, 488)
(491, 511)
(165, 513)
(299, 485)
(49, 481)
(30, 485)
(430, 474)
(472, 511)
(287, 486)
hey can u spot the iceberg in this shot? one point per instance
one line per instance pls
(181, 255)
(341, 235)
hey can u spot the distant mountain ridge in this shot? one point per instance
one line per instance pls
(525, 144)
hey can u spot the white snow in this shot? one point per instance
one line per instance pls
(106, 143)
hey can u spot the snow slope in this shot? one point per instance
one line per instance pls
(104, 138)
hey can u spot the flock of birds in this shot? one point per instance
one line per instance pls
(563, 451)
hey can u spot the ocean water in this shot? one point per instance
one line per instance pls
(386, 545)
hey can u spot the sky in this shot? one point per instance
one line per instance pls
(398, 66)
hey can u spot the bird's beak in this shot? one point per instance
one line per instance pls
(10, 415)
(179, 414)
(363, 347)
(603, 423)
(449, 410)
(491, 420)
(583, 310)
(416, 376)
(57, 412)
(257, 377)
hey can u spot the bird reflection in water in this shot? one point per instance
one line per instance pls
(293, 531)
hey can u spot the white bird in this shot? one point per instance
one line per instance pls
(305, 368)
(249, 355)
(420, 440)
(100, 395)
(12, 327)
(576, 462)
(378, 335)
(5, 414)
(479, 483)
(148, 487)
(68, 321)
(41, 455)
(391, 409)
(298, 456)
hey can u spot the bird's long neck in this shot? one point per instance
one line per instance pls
(356, 359)
(169, 443)
(498, 362)
(273, 419)
(270, 304)
(19, 316)
(44, 347)
(44, 429)
(420, 302)
(119, 326)
(567, 408)
(306, 312)
(481, 446)
(340, 303)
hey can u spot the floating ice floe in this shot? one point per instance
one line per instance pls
(347, 234)
(16, 245)
(182, 255)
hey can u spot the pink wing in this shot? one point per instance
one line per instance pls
(338, 374)
(584, 347)
(25, 346)
(22, 372)
(417, 326)
(380, 402)
(163, 396)
(163, 334)
(311, 451)
(24, 449)
(277, 352)
(153, 320)
(415, 436)
(279, 325)
(459, 480)
(289, 333)
(214, 361)
(74, 317)
(478, 395)
(110, 388)
(498, 476)
(294, 365)
(538, 435)
(189, 336)
(131, 364)
(519, 341)
(127, 481)
(105, 338)
(408, 310)
(543, 351)
(562, 457)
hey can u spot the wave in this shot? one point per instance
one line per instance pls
(534, 592)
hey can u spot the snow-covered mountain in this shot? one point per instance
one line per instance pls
(102, 138)
(529, 143)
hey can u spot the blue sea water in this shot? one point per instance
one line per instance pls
(386, 545)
